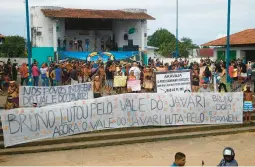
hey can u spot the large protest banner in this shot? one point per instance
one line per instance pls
(24, 125)
(173, 81)
(44, 96)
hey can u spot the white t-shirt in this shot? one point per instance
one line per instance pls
(136, 72)
(43, 70)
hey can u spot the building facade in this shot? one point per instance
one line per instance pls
(54, 28)
(242, 46)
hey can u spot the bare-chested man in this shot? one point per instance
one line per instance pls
(248, 105)
(97, 87)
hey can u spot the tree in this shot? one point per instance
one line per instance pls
(13, 46)
(166, 42)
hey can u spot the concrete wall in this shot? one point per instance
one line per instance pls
(20, 61)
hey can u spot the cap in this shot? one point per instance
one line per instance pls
(12, 82)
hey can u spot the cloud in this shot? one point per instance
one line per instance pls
(201, 20)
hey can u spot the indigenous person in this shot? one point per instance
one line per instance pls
(97, 87)
(248, 105)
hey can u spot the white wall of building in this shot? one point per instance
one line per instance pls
(121, 27)
(240, 51)
(43, 25)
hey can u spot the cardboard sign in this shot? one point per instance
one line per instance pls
(134, 85)
(120, 81)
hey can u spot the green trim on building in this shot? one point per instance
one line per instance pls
(221, 55)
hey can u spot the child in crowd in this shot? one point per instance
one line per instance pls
(180, 159)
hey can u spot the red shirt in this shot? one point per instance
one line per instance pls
(231, 71)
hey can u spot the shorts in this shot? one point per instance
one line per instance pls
(247, 107)
(97, 95)
(243, 75)
(109, 83)
(195, 83)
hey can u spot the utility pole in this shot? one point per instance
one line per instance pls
(177, 28)
(228, 40)
(28, 39)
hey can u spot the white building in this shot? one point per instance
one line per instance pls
(51, 25)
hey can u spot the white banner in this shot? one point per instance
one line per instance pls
(173, 81)
(126, 110)
(45, 96)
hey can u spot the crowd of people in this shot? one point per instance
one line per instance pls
(204, 74)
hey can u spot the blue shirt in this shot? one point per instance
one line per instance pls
(95, 65)
(173, 164)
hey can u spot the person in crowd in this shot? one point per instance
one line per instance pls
(221, 78)
(75, 41)
(205, 88)
(179, 159)
(35, 105)
(148, 80)
(118, 72)
(80, 47)
(14, 70)
(207, 75)
(36, 74)
(13, 96)
(56, 75)
(74, 76)
(195, 81)
(87, 44)
(24, 74)
(97, 87)
(87, 73)
(228, 158)
(109, 77)
(136, 70)
(44, 74)
(248, 104)
(65, 74)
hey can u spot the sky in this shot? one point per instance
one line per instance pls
(200, 20)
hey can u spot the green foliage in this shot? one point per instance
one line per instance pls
(166, 42)
(13, 46)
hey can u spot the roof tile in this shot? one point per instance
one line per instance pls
(245, 37)
(96, 14)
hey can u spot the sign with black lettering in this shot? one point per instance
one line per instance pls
(24, 125)
(44, 96)
(173, 81)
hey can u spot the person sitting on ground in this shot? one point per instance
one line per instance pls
(180, 159)
(248, 105)
(205, 88)
(228, 158)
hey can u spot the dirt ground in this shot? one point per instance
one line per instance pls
(162, 153)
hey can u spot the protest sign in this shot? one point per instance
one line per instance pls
(120, 81)
(24, 125)
(134, 85)
(173, 81)
(44, 96)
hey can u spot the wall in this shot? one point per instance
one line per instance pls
(121, 27)
(19, 60)
(41, 54)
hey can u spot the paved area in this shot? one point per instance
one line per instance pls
(162, 153)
